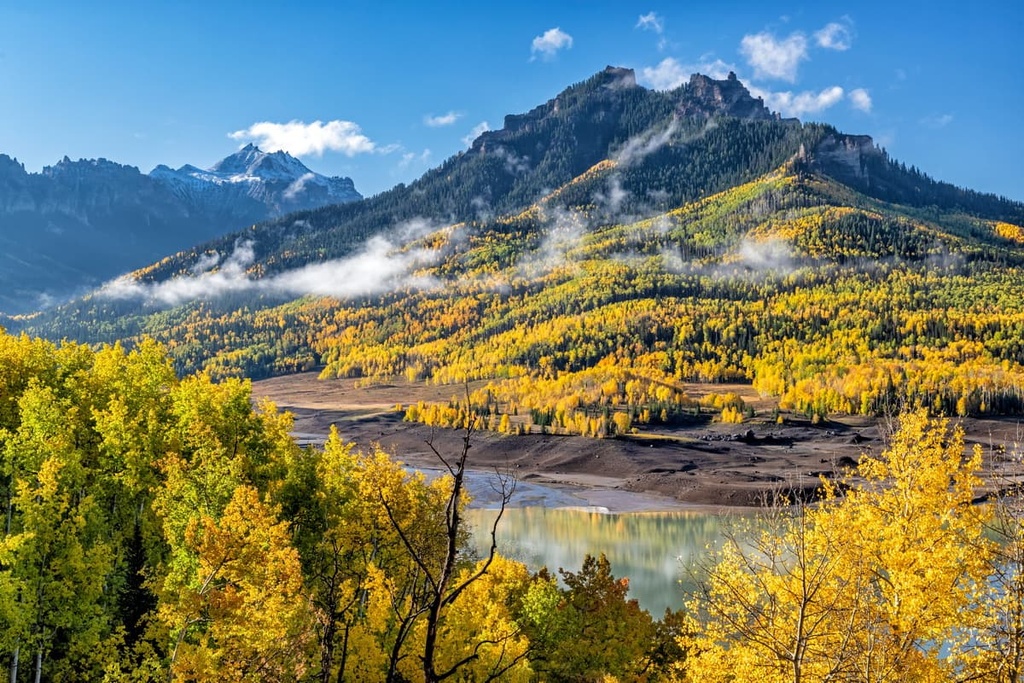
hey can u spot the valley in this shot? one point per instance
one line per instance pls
(701, 466)
(222, 465)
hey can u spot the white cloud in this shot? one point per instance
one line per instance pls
(564, 231)
(860, 99)
(205, 262)
(835, 36)
(771, 254)
(514, 163)
(381, 265)
(478, 129)
(229, 278)
(937, 121)
(807, 102)
(442, 120)
(549, 43)
(773, 58)
(612, 201)
(670, 73)
(651, 22)
(300, 139)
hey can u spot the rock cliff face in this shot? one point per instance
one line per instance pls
(848, 157)
(704, 96)
(79, 223)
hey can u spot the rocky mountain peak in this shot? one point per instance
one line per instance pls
(88, 168)
(11, 167)
(240, 161)
(600, 90)
(706, 96)
(616, 77)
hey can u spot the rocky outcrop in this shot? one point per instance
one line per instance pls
(847, 157)
(707, 97)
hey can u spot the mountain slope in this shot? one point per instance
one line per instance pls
(665, 158)
(680, 243)
(78, 223)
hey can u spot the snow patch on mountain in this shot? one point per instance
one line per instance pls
(276, 179)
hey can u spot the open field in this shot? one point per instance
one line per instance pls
(706, 464)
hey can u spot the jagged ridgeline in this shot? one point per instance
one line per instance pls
(601, 250)
(77, 224)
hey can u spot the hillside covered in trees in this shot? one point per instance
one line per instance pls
(599, 251)
(158, 528)
(579, 265)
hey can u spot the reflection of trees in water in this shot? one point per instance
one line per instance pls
(651, 548)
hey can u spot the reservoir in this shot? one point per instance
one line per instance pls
(653, 549)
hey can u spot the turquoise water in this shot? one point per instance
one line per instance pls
(653, 549)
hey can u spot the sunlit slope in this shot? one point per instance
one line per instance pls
(830, 299)
(600, 250)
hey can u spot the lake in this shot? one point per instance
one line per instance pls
(652, 548)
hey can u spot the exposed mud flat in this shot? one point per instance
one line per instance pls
(705, 464)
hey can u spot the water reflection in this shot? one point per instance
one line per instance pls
(651, 548)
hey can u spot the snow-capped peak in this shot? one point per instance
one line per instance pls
(276, 179)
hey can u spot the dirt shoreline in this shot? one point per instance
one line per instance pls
(702, 467)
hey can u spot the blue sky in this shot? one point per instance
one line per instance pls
(397, 87)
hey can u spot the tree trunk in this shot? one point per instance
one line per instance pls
(14, 664)
(327, 652)
(344, 655)
(39, 666)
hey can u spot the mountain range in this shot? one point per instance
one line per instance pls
(79, 223)
(600, 250)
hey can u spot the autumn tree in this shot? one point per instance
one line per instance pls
(990, 641)
(590, 629)
(848, 589)
(442, 583)
(245, 617)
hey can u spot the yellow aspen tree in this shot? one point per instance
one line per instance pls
(245, 618)
(848, 590)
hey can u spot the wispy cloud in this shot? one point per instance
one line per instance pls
(639, 146)
(651, 22)
(563, 232)
(298, 185)
(410, 158)
(860, 99)
(835, 35)
(771, 254)
(936, 121)
(514, 163)
(670, 73)
(229, 277)
(655, 23)
(799, 104)
(442, 120)
(300, 139)
(477, 130)
(774, 58)
(547, 44)
(381, 265)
